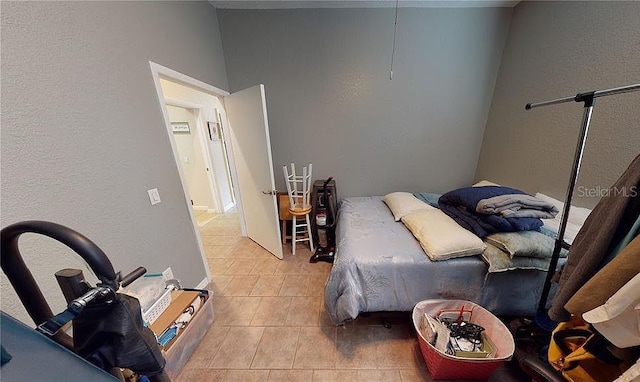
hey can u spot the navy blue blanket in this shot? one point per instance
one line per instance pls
(461, 205)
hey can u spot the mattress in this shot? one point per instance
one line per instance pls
(380, 266)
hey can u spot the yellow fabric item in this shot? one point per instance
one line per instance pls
(571, 351)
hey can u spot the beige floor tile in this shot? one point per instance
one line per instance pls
(272, 311)
(201, 375)
(323, 317)
(240, 286)
(267, 286)
(277, 348)
(390, 375)
(397, 347)
(208, 347)
(316, 348)
(261, 253)
(290, 375)
(304, 311)
(220, 240)
(319, 268)
(240, 267)
(415, 375)
(356, 348)
(266, 266)
(335, 375)
(218, 266)
(246, 244)
(288, 267)
(218, 283)
(294, 286)
(218, 251)
(220, 230)
(204, 217)
(221, 308)
(238, 348)
(246, 376)
(316, 285)
(235, 311)
(243, 252)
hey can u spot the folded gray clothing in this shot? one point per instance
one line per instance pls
(517, 206)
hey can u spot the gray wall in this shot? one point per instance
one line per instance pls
(330, 101)
(83, 136)
(558, 49)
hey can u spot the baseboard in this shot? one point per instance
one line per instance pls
(211, 211)
(200, 208)
(203, 284)
(229, 206)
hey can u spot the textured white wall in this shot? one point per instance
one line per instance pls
(83, 137)
(331, 103)
(557, 49)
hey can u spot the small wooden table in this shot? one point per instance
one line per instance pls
(283, 214)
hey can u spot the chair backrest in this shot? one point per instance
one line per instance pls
(298, 186)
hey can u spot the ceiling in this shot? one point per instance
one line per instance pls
(288, 4)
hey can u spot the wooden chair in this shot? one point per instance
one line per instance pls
(299, 191)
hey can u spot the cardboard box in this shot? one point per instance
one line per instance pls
(487, 349)
(180, 300)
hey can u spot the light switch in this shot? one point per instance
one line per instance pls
(154, 196)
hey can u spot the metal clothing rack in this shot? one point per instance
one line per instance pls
(589, 100)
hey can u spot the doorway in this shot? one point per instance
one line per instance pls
(192, 155)
(249, 135)
(199, 146)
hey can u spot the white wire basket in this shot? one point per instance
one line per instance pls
(152, 314)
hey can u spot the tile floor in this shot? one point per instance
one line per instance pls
(271, 324)
(204, 217)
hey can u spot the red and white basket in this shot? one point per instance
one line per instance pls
(445, 366)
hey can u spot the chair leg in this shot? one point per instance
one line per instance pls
(294, 235)
(309, 233)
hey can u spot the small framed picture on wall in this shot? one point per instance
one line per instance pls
(214, 131)
(180, 127)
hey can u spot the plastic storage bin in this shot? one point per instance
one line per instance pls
(151, 315)
(445, 366)
(188, 339)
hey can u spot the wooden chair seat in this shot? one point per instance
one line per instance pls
(300, 211)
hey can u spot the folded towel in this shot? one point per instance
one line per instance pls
(461, 205)
(517, 206)
(500, 261)
(525, 244)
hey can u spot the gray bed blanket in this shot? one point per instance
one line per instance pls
(380, 266)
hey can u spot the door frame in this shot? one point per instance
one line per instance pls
(158, 71)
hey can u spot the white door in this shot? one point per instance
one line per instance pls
(247, 115)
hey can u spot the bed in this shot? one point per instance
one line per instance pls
(380, 266)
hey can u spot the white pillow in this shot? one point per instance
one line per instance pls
(441, 237)
(403, 203)
(577, 215)
(485, 182)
